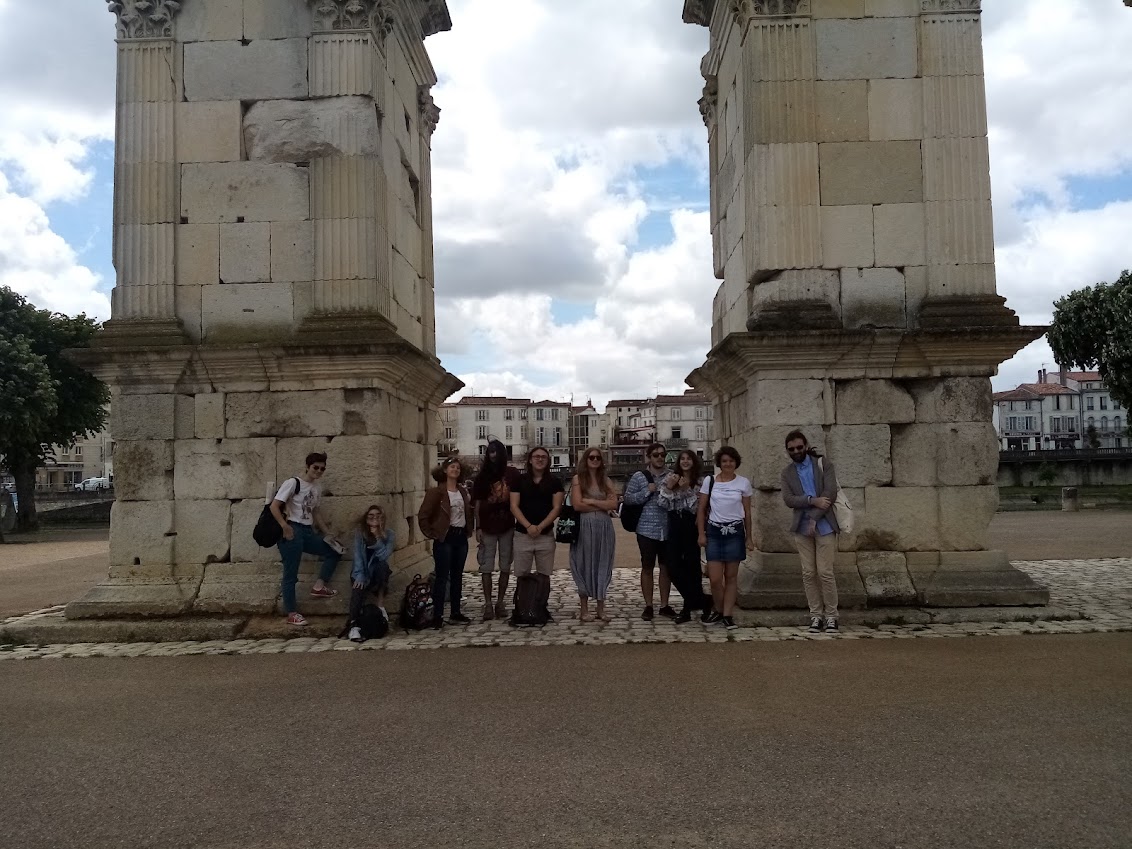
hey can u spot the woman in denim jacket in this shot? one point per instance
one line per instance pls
(373, 546)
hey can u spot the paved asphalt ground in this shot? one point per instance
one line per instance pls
(975, 742)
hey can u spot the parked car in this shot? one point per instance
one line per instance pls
(93, 485)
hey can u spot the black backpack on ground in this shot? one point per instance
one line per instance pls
(267, 531)
(416, 606)
(530, 608)
(631, 513)
(370, 622)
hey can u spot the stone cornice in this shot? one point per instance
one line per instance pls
(144, 18)
(939, 7)
(746, 10)
(850, 354)
(435, 18)
(697, 12)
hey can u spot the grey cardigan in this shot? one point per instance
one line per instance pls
(796, 498)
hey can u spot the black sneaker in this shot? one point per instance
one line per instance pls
(831, 625)
(647, 615)
(667, 611)
(815, 624)
(682, 617)
(459, 619)
(728, 623)
(711, 617)
(437, 623)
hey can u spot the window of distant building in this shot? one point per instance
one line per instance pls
(700, 432)
(699, 412)
(554, 414)
(481, 415)
(1089, 402)
(1104, 402)
(508, 414)
(539, 414)
(449, 433)
(508, 431)
(481, 432)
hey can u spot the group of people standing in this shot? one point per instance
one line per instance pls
(512, 516)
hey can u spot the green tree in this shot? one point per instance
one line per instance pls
(1092, 328)
(45, 399)
(1047, 473)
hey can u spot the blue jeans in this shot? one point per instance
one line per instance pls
(449, 556)
(305, 541)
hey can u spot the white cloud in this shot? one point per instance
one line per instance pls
(39, 264)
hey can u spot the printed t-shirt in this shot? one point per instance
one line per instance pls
(536, 502)
(726, 503)
(301, 505)
(456, 501)
(494, 501)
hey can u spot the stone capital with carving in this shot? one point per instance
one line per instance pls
(709, 103)
(430, 112)
(940, 7)
(435, 18)
(697, 12)
(144, 18)
(745, 10)
(338, 15)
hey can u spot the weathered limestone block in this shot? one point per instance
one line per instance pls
(773, 51)
(254, 191)
(902, 518)
(229, 468)
(261, 70)
(244, 549)
(363, 466)
(240, 310)
(861, 454)
(787, 402)
(886, 579)
(873, 297)
(837, 8)
(868, 401)
(784, 174)
(209, 22)
(956, 454)
(345, 249)
(209, 131)
(187, 308)
(779, 112)
(344, 63)
(794, 286)
(377, 411)
(283, 414)
(134, 417)
(772, 519)
(892, 8)
(245, 253)
(412, 422)
(208, 421)
(896, 109)
(198, 254)
(413, 466)
(965, 513)
(143, 470)
(847, 236)
(972, 579)
(292, 251)
(867, 49)
(956, 169)
(774, 580)
(203, 532)
(270, 19)
(953, 399)
(959, 232)
(946, 280)
(899, 234)
(240, 588)
(951, 46)
(955, 107)
(842, 110)
(299, 131)
(339, 188)
(142, 535)
(871, 172)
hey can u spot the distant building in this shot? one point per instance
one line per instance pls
(1066, 409)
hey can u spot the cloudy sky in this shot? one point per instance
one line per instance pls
(570, 179)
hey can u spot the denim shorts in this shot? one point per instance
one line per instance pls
(726, 543)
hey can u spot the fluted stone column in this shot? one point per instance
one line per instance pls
(851, 223)
(271, 231)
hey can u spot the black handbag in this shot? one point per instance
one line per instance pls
(566, 525)
(267, 531)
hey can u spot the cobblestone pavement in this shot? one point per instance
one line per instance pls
(1100, 589)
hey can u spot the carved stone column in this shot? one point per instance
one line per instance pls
(146, 198)
(429, 117)
(852, 223)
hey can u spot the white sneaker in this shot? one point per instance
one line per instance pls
(355, 634)
(384, 614)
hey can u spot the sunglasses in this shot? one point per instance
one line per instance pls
(657, 454)
(319, 468)
(593, 457)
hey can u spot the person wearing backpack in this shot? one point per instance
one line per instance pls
(723, 519)
(679, 495)
(446, 518)
(643, 514)
(809, 487)
(373, 546)
(296, 509)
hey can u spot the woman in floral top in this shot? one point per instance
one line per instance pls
(679, 495)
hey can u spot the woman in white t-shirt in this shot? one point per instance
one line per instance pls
(724, 523)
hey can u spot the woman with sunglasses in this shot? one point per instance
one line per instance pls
(591, 557)
(679, 495)
(373, 546)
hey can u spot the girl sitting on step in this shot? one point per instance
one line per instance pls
(373, 546)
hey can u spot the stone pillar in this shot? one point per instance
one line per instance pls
(145, 173)
(266, 153)
(851, 220)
